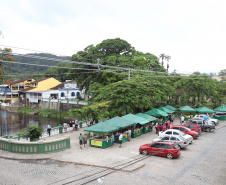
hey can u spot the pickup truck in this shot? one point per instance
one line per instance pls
(205, 126)
(210, 120)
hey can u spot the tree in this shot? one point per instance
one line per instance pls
(162, 56)
(222, 72)
(112, 52)
(167, 57)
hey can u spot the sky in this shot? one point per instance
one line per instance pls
(192, 32)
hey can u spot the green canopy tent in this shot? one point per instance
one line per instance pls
(186, 108)
(156, 112)
(136, 119)
(145, 116)
(101, 127)
(204, 110)
(221, 108)
(120, 122)
(166, 110)
(171, 108)
(137, 131)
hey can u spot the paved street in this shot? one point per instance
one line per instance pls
(203, 162)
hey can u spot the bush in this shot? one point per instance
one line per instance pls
(33, 132)
(26, 109)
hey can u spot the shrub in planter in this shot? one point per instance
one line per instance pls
(33, 132)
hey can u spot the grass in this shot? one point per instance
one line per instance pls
(26, 110)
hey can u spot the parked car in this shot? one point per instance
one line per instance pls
(165, 149)
(186, 130)
(210, 120)
(181, 141)
(193, 126)
(205, 126)
(176, 132)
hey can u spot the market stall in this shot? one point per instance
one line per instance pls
(186, 110)
(220, 109)
(102, 138)
(137, 130)
(123, 126)
(148, 126)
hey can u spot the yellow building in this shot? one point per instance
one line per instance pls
(33, 94)
(9, 93)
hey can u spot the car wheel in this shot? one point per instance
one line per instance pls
(169, 156)
(144, 152)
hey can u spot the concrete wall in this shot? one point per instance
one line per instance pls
(56, 106)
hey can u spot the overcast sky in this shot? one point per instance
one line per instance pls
(192, 32)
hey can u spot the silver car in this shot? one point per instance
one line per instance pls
(180, 140)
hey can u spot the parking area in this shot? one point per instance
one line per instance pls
(202, 162)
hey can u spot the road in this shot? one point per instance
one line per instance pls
(203, 162)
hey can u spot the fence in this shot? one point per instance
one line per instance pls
(40, 146)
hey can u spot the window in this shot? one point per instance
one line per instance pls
(192, 126)
(73, 94)
(176, 128)
(178, 139)
(156, 145)
(62, 94)
(163, 146)
(173, 138)
(182, 129)
(169, 132)
(175, 133)
(165, 138)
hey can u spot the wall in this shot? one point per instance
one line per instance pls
(56, 106)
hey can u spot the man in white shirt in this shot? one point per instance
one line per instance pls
(129, 134)
(182, 119)
(120, 140)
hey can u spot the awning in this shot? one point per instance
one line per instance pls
(101, 127)
(204, 110)
(1, 93)
(170, 108)
(222, 108)
(156, 112)
(145, 116)
(120, 122)
(186, 109)
(166, 110)
(135, 119)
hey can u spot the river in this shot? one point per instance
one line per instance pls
(12, 123)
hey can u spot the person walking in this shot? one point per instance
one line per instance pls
(76, 124)
(71, 126)
(129, 134)
(164, 127)
(48, 128)
(112, 140)
(80, 140)
(65, 127)
(120, 140)
(84, 139)
(182, 119)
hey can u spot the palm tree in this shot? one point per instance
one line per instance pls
(162, 56)
(167, 57)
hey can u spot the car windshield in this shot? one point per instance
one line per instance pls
(188, 129)
(175, 146)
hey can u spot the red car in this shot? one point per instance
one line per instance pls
(186, 130)
(166, 149)
(193, 126)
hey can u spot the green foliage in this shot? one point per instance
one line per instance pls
(48, 113)
(33, 132)
(25, 110)
(222, 72)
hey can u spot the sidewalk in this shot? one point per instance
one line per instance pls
(90, 155)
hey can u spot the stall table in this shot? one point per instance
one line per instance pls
(100, 143)
(146, 129)
(137, 132)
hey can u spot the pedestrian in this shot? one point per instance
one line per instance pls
(129, 134)
(76, 124)
(172, 118)
(169, 124)
(164, 127)
(112, 139)
(166, 123)
(156, 127)
(91, 134)
(71, 127)
(182, 119)
(48, 128)
(120, 140)
(65, 127)
(80, 140)
(84, 139)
